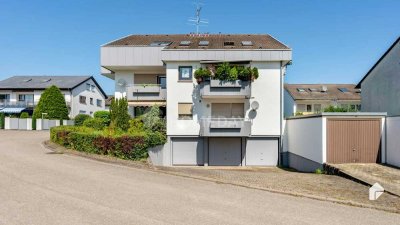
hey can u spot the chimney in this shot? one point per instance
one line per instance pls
(324, 88)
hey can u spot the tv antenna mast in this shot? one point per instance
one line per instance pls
(197, 21)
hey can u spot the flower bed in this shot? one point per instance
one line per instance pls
(125, 146)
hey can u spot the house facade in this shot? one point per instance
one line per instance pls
(306, 99)
(381, 85)
(83, 95)
(209, 122)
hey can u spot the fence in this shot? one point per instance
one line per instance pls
(26, 124)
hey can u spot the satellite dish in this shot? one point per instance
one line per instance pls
(254, 105)
(121, 82)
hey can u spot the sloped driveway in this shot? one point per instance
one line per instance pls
(371, 173)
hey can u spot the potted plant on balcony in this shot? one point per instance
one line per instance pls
(201, 74)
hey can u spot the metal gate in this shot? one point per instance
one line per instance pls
(353, 140)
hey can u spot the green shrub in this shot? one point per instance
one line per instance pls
(105, 115)
(24, 115)
(82, 141)
(155, 138)
(244, 73)
(332, 108)
(319, 171)
(202, 73)
(254, 73)
(53, 103)
(119, 114)
(299, 114)
(95, 123)
(79, 119)
(2, 120)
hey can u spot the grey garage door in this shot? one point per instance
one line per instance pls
(261, 152)
(225, 151)
(187, 151)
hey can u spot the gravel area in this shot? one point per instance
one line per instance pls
(320, 186)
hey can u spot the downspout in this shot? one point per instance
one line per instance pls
(281, 116)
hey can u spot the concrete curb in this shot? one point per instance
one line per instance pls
(148, 167)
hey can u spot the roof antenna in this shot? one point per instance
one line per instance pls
(197, 21)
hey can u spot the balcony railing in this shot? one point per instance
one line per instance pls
(225, 127)
(225, 89)
(146, 92)
(26, 104)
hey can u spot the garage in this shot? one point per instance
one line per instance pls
(187, 151)
(353, 140)
(262, 152)
(225, 151)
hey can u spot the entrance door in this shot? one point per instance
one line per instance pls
(225, 151)
(353, 140)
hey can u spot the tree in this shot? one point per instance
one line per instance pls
(119, 113)
(52, 103)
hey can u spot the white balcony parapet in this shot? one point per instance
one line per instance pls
(225, 89)
(225, 127)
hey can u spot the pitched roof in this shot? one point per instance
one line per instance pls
(314, 92)
(377, 63)
(42, 82)
(215, 41)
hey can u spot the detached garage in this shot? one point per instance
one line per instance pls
(334, 138)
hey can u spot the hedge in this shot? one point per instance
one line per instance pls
(84, 139)
(2, 120)
(80, 118)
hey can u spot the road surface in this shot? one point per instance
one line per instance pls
(38, 187)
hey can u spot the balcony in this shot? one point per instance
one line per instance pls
(225, 89)
(225, 127)
(19, 104)
(146, 92)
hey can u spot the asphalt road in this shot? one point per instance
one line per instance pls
(37, 187)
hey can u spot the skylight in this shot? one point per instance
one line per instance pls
(247, 43)
(185, 43)
(343, 89)
(314, 89)
(160, 43)
(27, 80)
(204, 43)
(301, 90)
(229, 43)
(46, 80)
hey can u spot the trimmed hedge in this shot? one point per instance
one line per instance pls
(95, 123)
(80, 118)
(84, 139)
(2, 120)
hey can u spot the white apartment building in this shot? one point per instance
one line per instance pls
(216, 123)
(83, 95)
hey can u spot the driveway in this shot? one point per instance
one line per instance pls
(38, 187)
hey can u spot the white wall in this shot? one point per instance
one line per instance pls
(305, 137)
(393, 141)
(266, 90)
(128, 77)
(76, 106)
(381, 89)
(288, 104)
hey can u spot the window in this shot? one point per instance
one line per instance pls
(317, 107)
(91, 101)
(185, 43)
(162, 81)
(227, 110)
(99, 103)
(21, 98)
(185, 111)
(229, 43)
(91, 113)
(88, 87)
(204, 43)
(301, 90)
(247, 43)
(92, 88)
(343, 90)
(160, 43)
(185, 73)
(82, 99)
(82, 112)
(309, 108)
(301, 108)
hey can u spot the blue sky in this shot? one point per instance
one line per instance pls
(333, 41)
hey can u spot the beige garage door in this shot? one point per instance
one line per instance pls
(353, 140)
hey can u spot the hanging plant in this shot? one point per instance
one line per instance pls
(254, 73)
(202, 74)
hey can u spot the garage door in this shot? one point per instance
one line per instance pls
(225, 151)
(353, 141)
(262, 152)
(187, 151)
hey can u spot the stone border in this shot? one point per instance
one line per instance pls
(147, 166)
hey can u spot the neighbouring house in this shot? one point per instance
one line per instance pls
(209, 122)
(305, 99)
(381, 85)
(108, 102)
(83, 94)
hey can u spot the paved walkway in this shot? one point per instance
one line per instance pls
(387, 177)
(39, 187)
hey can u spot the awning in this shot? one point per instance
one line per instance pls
(12, 110)
(147, 103)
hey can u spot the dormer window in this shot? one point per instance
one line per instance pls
(247, 43)
(160, 43)
(229, 43)
(301, 89)
(203, 43)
